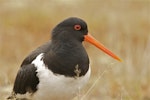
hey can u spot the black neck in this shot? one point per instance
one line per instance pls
(65, 57)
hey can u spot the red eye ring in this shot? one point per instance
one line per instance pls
(77, 27)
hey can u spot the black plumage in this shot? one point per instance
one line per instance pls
(61, 55)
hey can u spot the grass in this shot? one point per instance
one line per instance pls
(122, 25)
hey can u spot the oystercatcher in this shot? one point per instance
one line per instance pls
(57, 69)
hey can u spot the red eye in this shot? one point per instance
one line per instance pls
(77, 27)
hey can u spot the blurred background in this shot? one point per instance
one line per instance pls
(123, 26)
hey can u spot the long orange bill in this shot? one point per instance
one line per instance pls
(93, 41)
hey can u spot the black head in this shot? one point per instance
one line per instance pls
(75, 29)
(70, 29)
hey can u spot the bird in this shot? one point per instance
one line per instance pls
(60, 67)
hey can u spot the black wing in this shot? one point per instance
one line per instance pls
(26, 79)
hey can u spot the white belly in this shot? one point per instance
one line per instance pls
(53, 86)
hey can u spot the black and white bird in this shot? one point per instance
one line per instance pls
(58, 68)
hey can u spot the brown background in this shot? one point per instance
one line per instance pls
(121, 25)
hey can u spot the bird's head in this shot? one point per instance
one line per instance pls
(75, 29)
(70, 29)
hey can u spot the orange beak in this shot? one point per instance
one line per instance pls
(93, 41)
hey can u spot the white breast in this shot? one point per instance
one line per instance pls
(52, 86)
